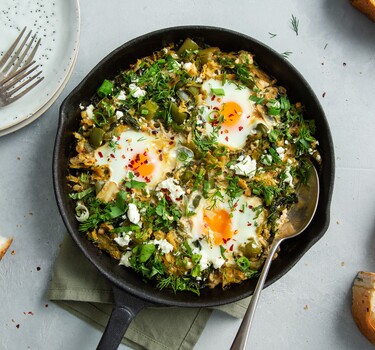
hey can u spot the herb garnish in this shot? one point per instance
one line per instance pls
(294, 24)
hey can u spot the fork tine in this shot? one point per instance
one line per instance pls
(11, 49)
(22, 56)
(31, 56)
(16, 75)
(16, 54)
(26, 82)
(11, 99)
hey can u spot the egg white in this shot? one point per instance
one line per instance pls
(159, 151)
(243, 223)
(232, 136)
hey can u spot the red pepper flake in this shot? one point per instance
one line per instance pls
(137, 173)
(154, 132)
(240, 128)
(178, 199)
(123, 156)
(112, 155)
(225, 240)
(100, 154)
(231, 248)
(216, 109)
(235, 205)
(213, 97)
(250, 207)
(226, 138)
(249, 223)
(241, 211)
(160, 157)
(171, 142)
(30, 313)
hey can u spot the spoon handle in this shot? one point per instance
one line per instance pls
(239, 342)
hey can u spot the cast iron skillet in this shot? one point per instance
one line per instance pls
(131, 293)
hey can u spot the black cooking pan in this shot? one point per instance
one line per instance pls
(131, 293)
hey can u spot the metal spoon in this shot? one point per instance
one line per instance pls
(299, 217)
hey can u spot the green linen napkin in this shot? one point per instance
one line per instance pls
(78, 287)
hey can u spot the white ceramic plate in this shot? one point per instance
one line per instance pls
(57, 23)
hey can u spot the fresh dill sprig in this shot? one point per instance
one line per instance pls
(286, 54)
(294, 24)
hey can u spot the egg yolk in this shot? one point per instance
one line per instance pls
(142, 165)
(220, 223)
(231, 112)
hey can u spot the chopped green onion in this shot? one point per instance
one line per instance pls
(218, 91)
(105, 89)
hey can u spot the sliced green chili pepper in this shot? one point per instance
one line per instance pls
(188, 44)
(96, 137)
(149, 109)
(177, 116)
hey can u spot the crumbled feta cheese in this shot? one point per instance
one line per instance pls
(133, 213)
(90, 111)
(163, 245)
(266, 159)
(281, 151)
(123, 239)
(125, 258)
(218, 262)
(245, 166)
(187, 66)
(175, 191)
(119, 114)
(136, 91)
(121, 96)
(288, 179)
(203, 262)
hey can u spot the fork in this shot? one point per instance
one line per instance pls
(16, 67)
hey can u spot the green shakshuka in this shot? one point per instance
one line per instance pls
(186, 164)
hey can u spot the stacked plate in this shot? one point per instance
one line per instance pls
(57, 23)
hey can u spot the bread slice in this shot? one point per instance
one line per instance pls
(4, 245)
(365, 6)
(363, 306)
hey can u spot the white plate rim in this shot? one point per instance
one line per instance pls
(18, 124)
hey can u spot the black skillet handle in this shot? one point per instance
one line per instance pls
(126, 307)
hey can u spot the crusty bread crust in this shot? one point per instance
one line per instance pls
(365, 6)
(363, 306)
(5, 246)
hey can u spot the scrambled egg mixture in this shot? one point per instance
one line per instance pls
(186, 164)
